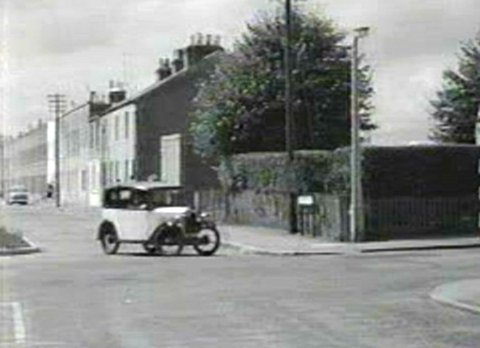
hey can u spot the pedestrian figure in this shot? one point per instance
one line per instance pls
(49, 191)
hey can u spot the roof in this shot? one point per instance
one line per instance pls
(155, 85)
(143, 185)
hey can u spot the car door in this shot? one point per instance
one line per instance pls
(132, 216)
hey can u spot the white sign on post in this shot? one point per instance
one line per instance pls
(305, 200)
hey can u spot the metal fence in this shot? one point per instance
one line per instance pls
(389, 218)
(410, 217)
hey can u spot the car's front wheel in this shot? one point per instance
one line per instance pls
(208, 241)
(168, 240)
(109, 240)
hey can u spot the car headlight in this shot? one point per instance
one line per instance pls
(177, 221)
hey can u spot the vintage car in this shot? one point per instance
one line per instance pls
(149, 214)
(17, 195)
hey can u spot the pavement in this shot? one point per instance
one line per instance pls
(269, 241)
(464, 294)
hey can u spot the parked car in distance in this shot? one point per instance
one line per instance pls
(145, 213)
(17, 195)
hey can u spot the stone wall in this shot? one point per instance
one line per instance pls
(327, 218)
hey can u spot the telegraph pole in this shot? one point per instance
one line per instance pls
(57, 105)
(288, 117)
(356, 194)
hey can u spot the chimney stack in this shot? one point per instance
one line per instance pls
(116, 94)
(178, 62)
(201, 46)
(164, 69)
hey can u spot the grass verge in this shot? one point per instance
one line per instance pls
(11, 240)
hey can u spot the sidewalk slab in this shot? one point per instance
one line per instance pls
(270, 241)
(464, 295)
(421, 244)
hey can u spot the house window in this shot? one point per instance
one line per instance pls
(133, 169)
(97, 135)
(92, 135)
(116, 171)
(84, 180)
(117, 125)
(127, 124)
(112, 172)
(125, 173)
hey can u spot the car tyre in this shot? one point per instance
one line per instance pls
(168, 240)
(109, 240)
(208, 241)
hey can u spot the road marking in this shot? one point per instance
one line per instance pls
(18, 323)
(16, 320)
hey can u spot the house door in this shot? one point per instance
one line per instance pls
(170, 159)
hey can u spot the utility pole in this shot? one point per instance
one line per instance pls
(57, 105)
(288, 117)
(356, 199)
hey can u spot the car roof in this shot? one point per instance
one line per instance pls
(143, 185)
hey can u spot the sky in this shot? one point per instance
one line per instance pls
(72, 47)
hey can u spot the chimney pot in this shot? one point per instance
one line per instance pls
(199, 39)
(164, 70)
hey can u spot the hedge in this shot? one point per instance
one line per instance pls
(414, 171)
(312, 171)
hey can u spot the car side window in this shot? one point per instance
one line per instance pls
(159, 198)
(111, 199)
(124, 198)
(138, 200)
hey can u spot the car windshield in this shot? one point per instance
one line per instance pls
(18, 190)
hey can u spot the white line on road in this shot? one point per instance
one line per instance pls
(19, 326)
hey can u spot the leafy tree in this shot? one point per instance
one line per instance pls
(240, 107)
(456, 105)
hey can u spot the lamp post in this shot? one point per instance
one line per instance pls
(288, 117)
(356, 199)
(57, 104)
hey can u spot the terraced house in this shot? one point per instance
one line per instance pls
(145, 136)
(28, 159)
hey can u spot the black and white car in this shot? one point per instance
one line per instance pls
(144, 213)
(17, 195)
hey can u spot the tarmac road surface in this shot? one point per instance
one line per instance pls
(72, 295)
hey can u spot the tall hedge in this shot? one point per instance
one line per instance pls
(421, 171)
(311, 171)
(403, 171)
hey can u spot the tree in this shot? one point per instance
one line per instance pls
(240, 107)
(456, 105)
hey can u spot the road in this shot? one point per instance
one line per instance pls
(72, 295)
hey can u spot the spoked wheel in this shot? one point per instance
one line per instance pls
(109, 240)
(168, 241)
(149, 248)
(208, 241)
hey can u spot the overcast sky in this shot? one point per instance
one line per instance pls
(72, 47)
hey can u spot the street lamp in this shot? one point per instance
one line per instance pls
(356, 199)
(57, 103)
(289, 126)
